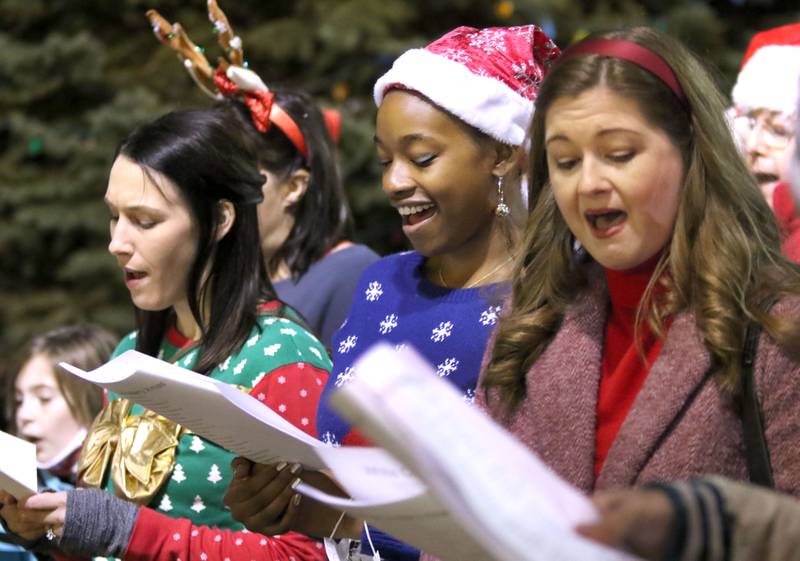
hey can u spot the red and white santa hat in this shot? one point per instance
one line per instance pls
(486, 77)
(770, 73)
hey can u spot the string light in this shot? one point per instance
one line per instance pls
(504, 9)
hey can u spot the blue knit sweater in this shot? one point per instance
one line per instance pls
(395, 302)
(323, 293)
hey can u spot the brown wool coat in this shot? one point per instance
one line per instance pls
(667, 434)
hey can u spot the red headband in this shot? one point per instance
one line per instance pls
(632, 52)
(333, 122)
(263, 110)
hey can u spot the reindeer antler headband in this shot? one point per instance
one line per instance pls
(231, 78)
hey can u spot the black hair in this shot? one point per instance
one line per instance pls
(322, 218)
(208, 160)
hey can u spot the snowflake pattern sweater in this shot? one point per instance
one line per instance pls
(286, 368)
(395, 302)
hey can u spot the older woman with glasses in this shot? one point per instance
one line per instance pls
(765, 119)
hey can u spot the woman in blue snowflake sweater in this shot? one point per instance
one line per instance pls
(182, 197)
(451, 168)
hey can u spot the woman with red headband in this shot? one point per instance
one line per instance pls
(705, 519)
(667, 346)
(304, 220)
(197, 171)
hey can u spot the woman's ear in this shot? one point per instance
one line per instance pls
(226, 216)
(294, 187)
(508, 159)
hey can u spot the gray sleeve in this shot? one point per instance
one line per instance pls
(97, 523)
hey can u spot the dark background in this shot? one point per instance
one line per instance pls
(75, 76)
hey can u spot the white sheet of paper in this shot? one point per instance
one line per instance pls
(419, 519)
(501, 493)
(17, 466)
(212, 409)
(390, 497)
(370, 474)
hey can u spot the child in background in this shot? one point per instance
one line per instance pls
(53, 409)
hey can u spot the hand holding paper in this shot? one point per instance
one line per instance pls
(500, 493)
(260, 496)
(32, 517)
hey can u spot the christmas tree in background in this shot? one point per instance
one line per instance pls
(75, 77)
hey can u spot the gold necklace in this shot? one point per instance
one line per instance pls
(477, 281)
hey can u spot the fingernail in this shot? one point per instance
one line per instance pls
(295, 483)
(240, 470)
(296, 468)
(296, 500)
(281, 466)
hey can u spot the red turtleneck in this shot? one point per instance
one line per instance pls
(788, 219)
(181, 341)
(623, 371)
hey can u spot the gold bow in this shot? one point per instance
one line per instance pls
(101, 442)
(140, 449)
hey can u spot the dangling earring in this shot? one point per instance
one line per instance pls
(501, 209)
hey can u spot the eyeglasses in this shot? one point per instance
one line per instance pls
(776, 131)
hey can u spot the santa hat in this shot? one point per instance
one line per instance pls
(486, 77)
(770, 71)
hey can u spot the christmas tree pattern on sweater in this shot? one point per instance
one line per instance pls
(283, 366)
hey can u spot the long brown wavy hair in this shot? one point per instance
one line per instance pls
(722, 263)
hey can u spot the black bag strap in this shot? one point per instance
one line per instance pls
(756, 450)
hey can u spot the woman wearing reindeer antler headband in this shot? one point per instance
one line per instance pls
(184, 230)
(305, 221)
(182, 195)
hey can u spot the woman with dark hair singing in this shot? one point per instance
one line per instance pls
(305, 222)
(182, 197)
